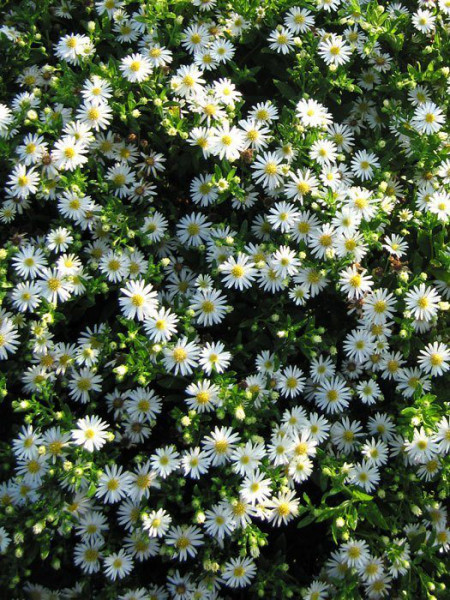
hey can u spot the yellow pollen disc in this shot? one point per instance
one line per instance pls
(143, 481)
(221, 446)
(84, 384)
(112, 485)
(301, 449)
(89, 434)
(354, 552)
(33, 467)
(182, 542)
(271, 169)
(54, 284)
(188, 80)
(237, 271)
(193, 229)
(93, 114)
(332, 395)
(283, 509)
(203, 397)
(436, 360)
(119, 179)
(355, 281)
(291, 383)
(303, 188)
(137, 300)
(179, 355)
(91, 555)
(114, 265)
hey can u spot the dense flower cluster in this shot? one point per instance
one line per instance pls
(223, 321)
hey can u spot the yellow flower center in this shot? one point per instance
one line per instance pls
(237, 271)
(271, 168)
(91, 555)
(182, 542)
(355, 281)
(137, 300)
(33, 467)
(423, 302)
(354, 552)
(239, 571)
(54, 284)
(113, 484)
(221, 446)
(203, 397)
(143, 481)
(188, 80)
(93, 114)
(303, 188)
(84, 384)
(193, 229)
(436, 360)
(155, 52)
(283, 509)
(179, 355)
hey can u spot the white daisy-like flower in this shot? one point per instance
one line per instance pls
(227, 142)
(334, 50)
(238, 572)
(90, 433)
(281, 40)
(161, 325)
(23, 182)
(182, 357)
(238, 272)
(428, 118)
(185, 540)
(424, 21)
(118, 565)
(435, 359)
(135, 68)
(138, 300)
(157, 522)
(113, 484)
(363, 164)
(355, 282)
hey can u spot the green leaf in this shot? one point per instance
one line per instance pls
(373, 514)
(286, 90)
(358, 495)
(306, 521)
(418, 540)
